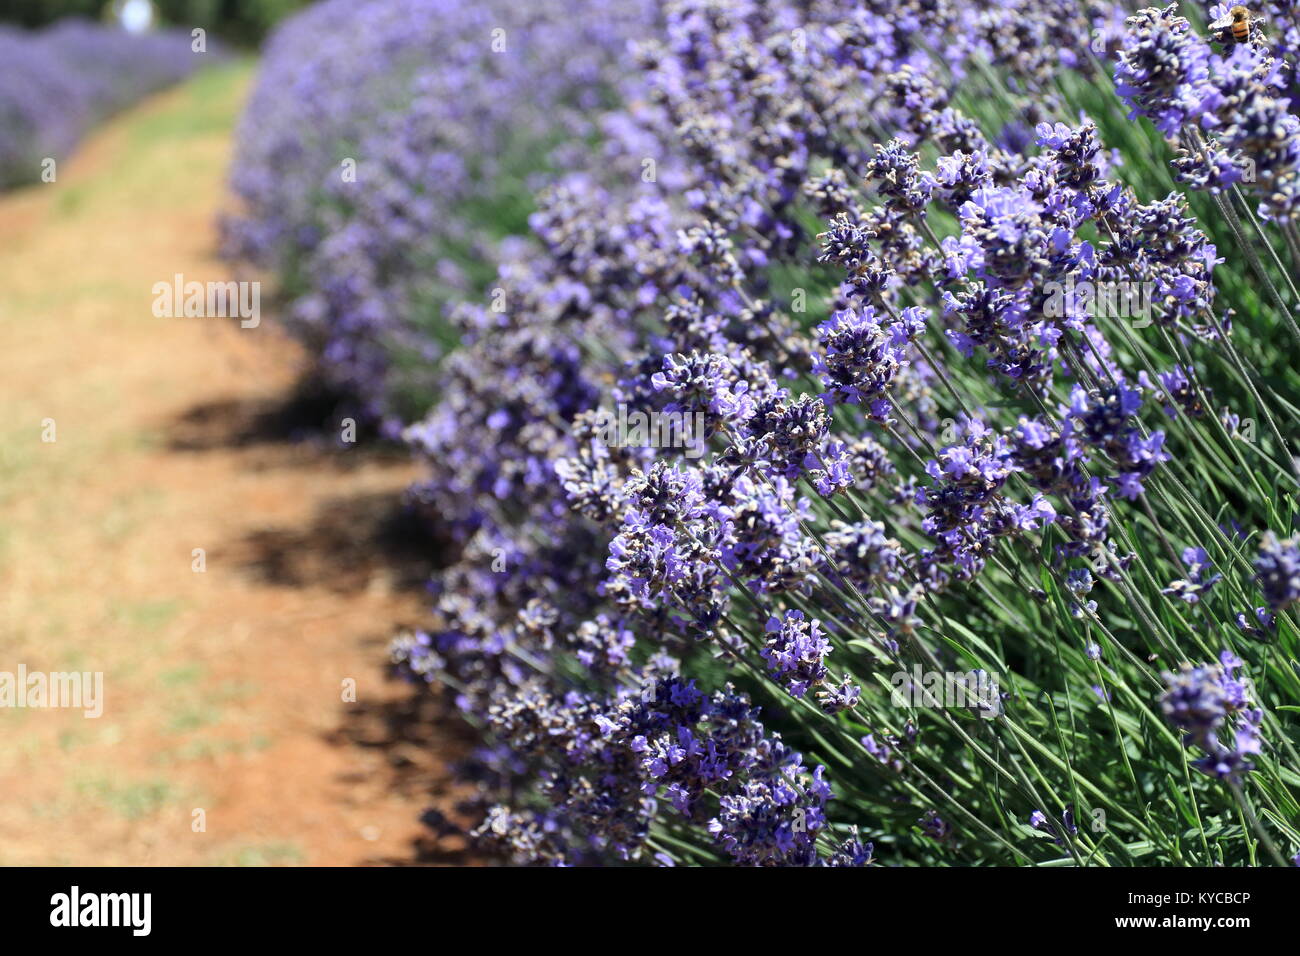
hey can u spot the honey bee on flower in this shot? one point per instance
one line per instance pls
(1235, 26)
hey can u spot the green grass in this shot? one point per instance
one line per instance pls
(266, 854)
(203, 110)
(131, 801)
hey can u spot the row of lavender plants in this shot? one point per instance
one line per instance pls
(866, 254)
(958, 560)
(57, 82)
(389, 148)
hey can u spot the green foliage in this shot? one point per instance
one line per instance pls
(236, 21)
(36, 13)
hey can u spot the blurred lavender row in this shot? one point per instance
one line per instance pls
(58, 82)
(388, 149)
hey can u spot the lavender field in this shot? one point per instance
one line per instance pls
(55, 83)
(830, 434)
(971, 539)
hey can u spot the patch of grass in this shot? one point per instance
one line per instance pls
(198, 749)
(146, 615)
(132, 801)
(207, 101)
(269, 854)
(193, 717)
(234, 690)
(181, 676)
(18, 448)
(74, 659)
(70, 201)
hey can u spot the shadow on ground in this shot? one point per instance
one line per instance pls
(311, 416)
(349, 544)
(411, 731)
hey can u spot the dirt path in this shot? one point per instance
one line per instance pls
(223, 689)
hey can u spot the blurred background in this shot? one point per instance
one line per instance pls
(243, 22)
(167, 519)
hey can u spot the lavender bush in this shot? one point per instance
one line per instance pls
(986, 551)
(57, 82)
(387, 149)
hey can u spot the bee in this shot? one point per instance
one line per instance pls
(1235, 26)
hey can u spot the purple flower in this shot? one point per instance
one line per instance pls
(58, 81)
(861, 356)
(1199, 579)
(1202, 700)
(795, 652)
(1277, 570)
